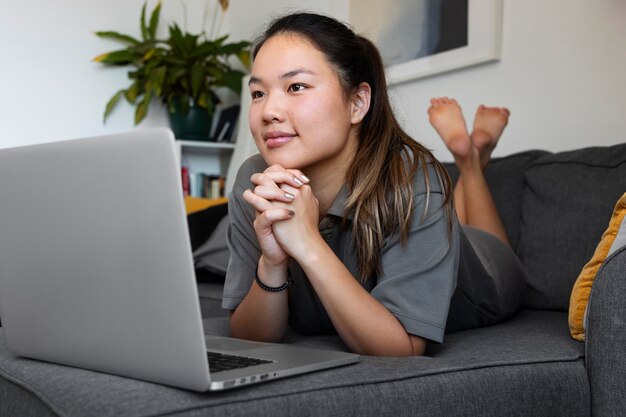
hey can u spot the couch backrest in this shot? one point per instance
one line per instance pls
(567, 203)
(555, 207)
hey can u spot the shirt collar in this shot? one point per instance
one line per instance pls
(338, 207)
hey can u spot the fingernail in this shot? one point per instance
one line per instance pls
(305, 178)
(297, 181)
(291, 213)
(290, 196)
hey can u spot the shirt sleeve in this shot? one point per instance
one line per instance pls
(418, 277)
(240, 237)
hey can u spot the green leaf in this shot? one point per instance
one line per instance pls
(144, 28)
(233, 48)
(207, 101)
(154, 20)
(175, 73)
(232, 80)
(176, 38)
(158, 77)
(121, 57)
(132, 93)
(117, 37)
(202, 100)
(148, 55)
(142, 107)
(172, 60)
(215, 72)
(204, 50)
(197, 80)
(220, 41)
(111, 104)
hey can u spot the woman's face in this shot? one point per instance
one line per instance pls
(299, 116)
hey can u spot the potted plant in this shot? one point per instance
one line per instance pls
(182, 70)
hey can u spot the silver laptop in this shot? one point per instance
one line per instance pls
(96, 269)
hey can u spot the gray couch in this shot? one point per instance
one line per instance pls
(555, 208)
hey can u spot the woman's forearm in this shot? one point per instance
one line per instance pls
(363, 323)
(262, 315)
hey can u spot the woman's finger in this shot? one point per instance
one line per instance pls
(293, 177)
(275, 193)
(269, 217)
(256, 201)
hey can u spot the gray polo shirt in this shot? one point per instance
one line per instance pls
(416, 281)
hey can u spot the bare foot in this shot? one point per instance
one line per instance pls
(489, 123)
(447, 118)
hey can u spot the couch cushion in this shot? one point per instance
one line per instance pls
(505, 177)
(565, 205)
(526, 366)
(210, 294)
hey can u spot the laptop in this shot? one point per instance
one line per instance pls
(96, 268)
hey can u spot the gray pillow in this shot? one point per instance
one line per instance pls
(567, 198)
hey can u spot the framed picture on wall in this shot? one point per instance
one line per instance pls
(421, 38)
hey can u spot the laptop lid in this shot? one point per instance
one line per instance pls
(96, 268)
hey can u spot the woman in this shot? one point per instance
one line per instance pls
(343, 223)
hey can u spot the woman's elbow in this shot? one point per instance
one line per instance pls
(418, 345)
(244, 329)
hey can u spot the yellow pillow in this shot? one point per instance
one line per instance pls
(582, 287)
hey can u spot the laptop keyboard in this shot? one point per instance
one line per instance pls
(224, 362)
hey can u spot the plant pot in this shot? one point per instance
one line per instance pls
(193, 124)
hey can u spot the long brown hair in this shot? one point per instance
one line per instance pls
(380, 177)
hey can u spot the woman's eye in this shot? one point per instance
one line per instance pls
(256, 94)
(296, 87)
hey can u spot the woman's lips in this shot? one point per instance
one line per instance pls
(276, 139)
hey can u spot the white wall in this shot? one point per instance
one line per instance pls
(49, 87)
(562, 71)
(562, 74)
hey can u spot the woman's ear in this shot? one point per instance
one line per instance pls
(361, 102)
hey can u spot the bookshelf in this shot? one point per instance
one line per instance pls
(211, 158)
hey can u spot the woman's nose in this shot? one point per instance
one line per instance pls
(273, 108)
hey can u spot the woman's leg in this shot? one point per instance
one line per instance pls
(446, 117)
(472, 152)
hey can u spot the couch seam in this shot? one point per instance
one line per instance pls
(583, 163)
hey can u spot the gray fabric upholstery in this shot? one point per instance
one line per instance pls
(211, 300)
(566, 205)
(606, 337)
(17, 401)
(525, 366)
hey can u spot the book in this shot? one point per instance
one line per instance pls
(186, 181)
(204, 185)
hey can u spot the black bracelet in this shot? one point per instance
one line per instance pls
(260, 283)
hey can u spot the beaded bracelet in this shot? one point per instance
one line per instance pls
(260, 283)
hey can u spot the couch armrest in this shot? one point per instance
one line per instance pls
(606, 337)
